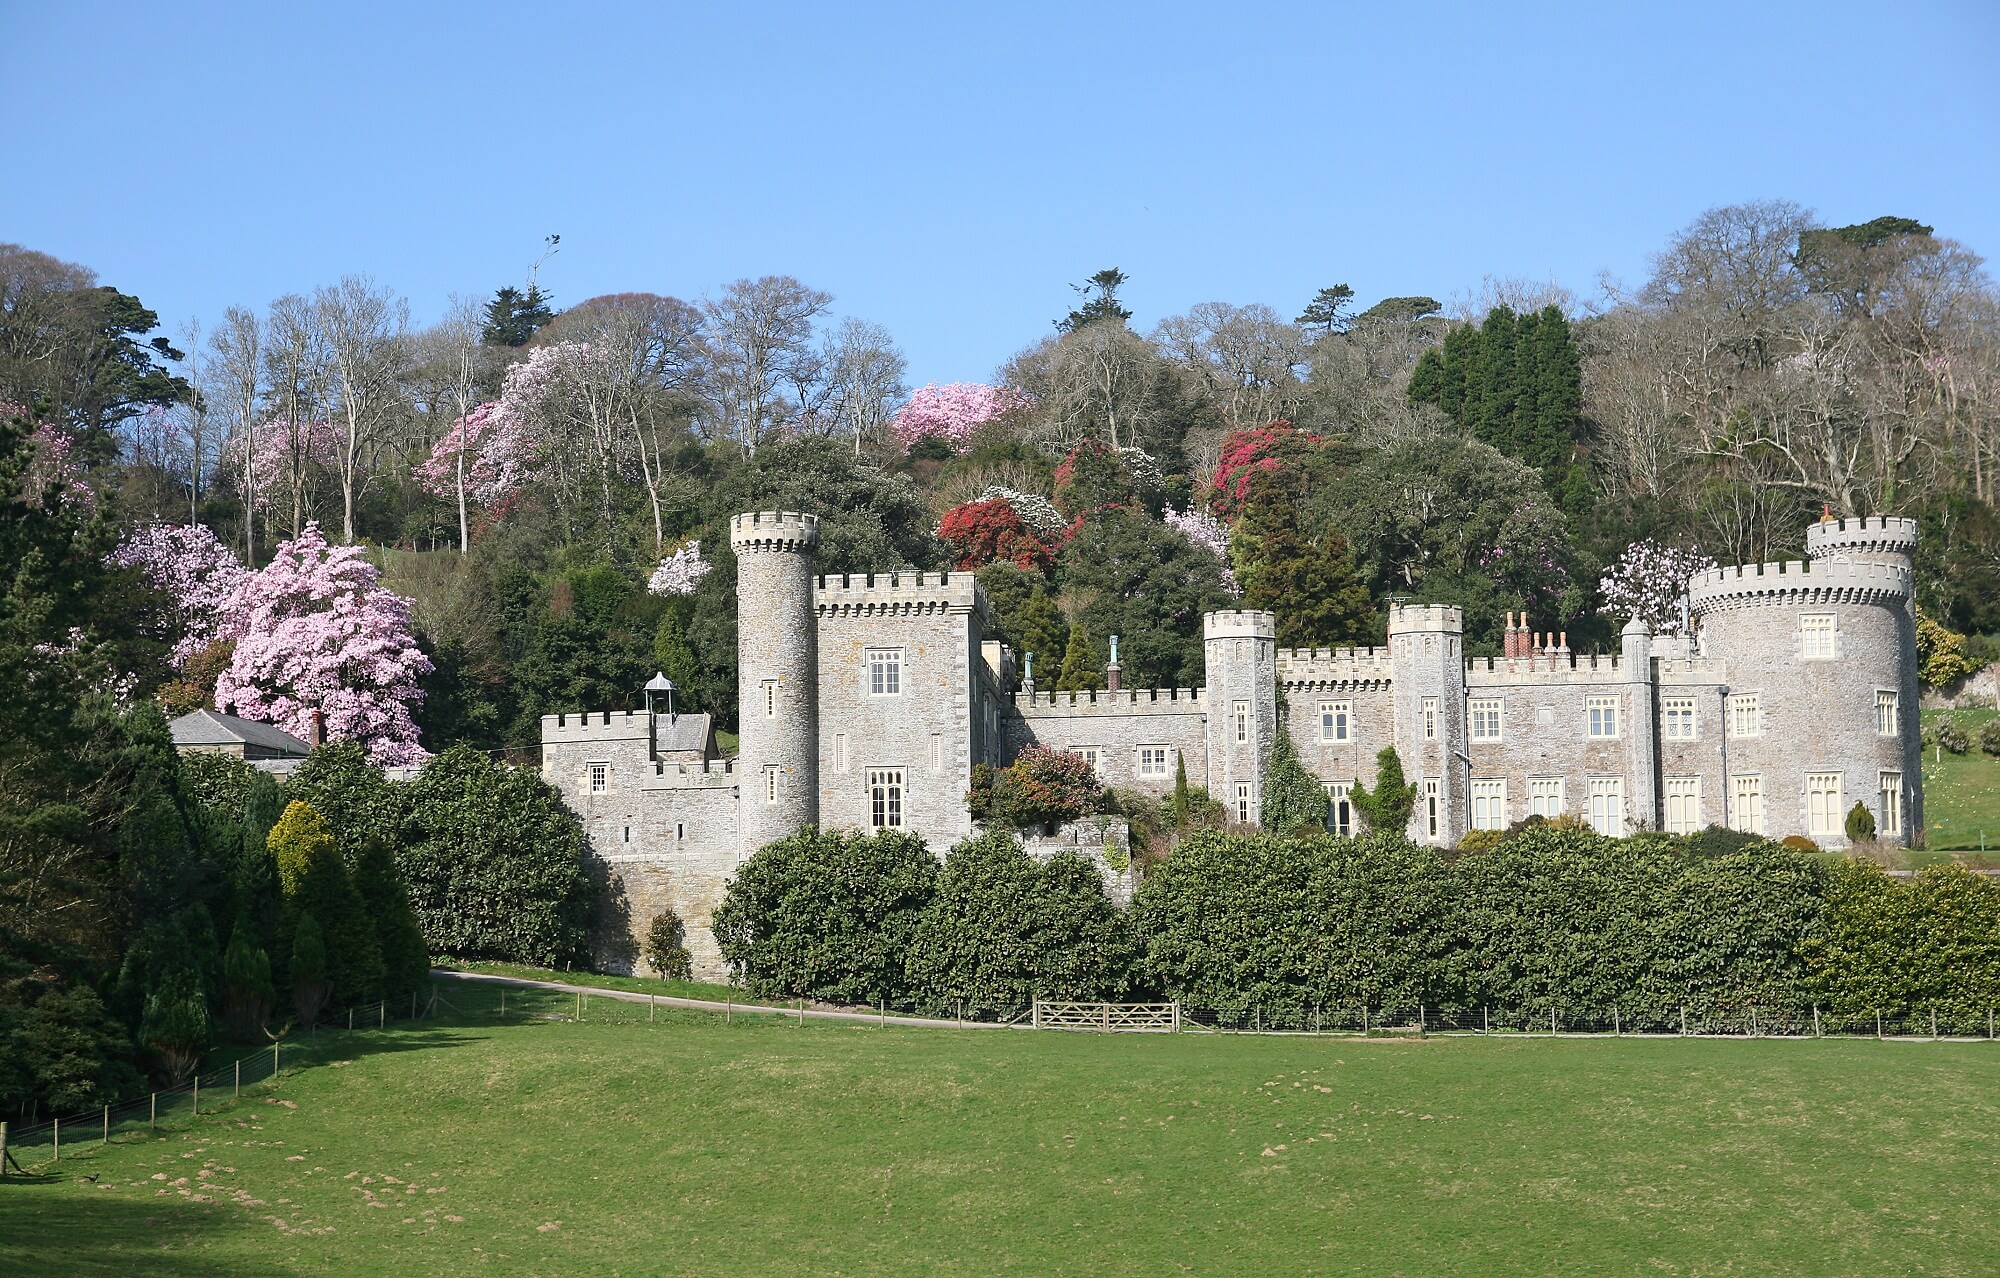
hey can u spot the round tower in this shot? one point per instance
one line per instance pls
(777, 674)
(1240, 651)
(1427, 652)
(1820, 707)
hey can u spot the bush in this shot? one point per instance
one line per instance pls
(1860, 824)
(313, 882)
(1946, 734)
(1800, 843)
(1989, 737)
(1043, 786)
(1002, 930)
(827, 915)
(1483, 840)
(1387, 807)
(666, 948)
(494, 862)
(1718, 840)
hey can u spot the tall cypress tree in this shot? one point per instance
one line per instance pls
(1310, 583)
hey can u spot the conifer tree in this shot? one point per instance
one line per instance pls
(386, 901)
(310, 986)
(673, 655)
(1310, 583)
(1040, 628)
(246, 980)
(1082, 665)
(315, 883)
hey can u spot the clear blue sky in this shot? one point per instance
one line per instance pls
(946, 172)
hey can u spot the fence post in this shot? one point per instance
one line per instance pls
(729, 1011)
(1684, 1020)
(58, 1136)
(413, 1005)
(503, 1002)
(1616, 1028)
(1038, 1013)
(1933, 1024)
(1552, 1018)
(1364, 1019)
(579, 1005)
(1753, 1020)
(350, 1018)
(197, 1092)
(239, 1079)
(1177, 1017)
(107, 1124)
(1257, 1020)
(1989, 1024)
(3, 1147)
(1485, 1019)
(1816, 1020)
(1878, 1022)
(802, 1013)
(382, 1014)
(153, 1111)
(1422, 1029)
(1105, 1010)
(882, 1011)
(274, 1062)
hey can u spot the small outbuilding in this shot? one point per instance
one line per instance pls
(259, 744)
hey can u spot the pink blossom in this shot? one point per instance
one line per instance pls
(191, 567)
(953, 411)
(54, 476)
(317, 631)
(1208, 533)
(680, 572)
(281, 450)
(1650, 581)
(499, 446)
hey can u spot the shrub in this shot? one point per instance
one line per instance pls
(1800, 843)
(1947, 735)
(1989, 737)
(494, 862)
(827, 915)
(666, 948)
(1002, 931)
(246, 981)
(1860, 824)
(1387, 807)
(176, 1024)
(1294, 800)
(1718, 840)
(983, 532)
(1482, 840)
(308, 967)
(314, 883)
(1043, 786)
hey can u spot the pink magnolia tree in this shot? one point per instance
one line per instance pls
(489, 451)
(953, 411)
(316, 631)
(680, 572)
(193, 569)
(1208, 533)
(54, 474)
(1650, 582)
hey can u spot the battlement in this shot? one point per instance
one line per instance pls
(783, 530)
(691, 774)
(1797, 583)
(1872, 535)
(1323, 667)
(594, 725)
(1432, 618)
(1490, 672)
(909, 593)
(1057, 705)
(1239, 623)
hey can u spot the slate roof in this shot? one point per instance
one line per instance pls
(212, 728)
(685, 732)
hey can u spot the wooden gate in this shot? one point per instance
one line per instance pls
(1110, 1018)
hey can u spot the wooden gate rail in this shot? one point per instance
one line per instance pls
(1110, 1018)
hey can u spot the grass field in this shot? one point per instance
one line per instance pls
(761, 1147)
(1962, 791)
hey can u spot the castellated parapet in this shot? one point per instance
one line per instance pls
(868, 698)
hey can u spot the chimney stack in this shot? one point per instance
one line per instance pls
(1114, 670)
(316, 734)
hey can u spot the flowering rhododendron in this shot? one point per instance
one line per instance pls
(1039, 513)
(1249, 453)
(1650, 582)
(984, 532)
(317, 631)
(952, 412)
(499, 448)
(1210, 534)
(680, 572)
(192, 568)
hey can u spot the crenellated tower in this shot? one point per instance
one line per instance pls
(1427, 650)
(1240, 647)
(777, 676)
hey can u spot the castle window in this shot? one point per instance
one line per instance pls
(1607, 805)
(1244, 800)
(1242, 711)
(1816, 636)
(1746, 717)
(1545, 797)
(1152, 761)
(1430, 716)
(1677, 718)
(600, 777)
(770, 698)
(1747, 812)
(1336, 720)
(1888, 716)
(840, 752)
(1486, 719)
(628, 834)
(937, 751)
(680, 830)
(1489, 805)
(1891, 825)
(770, 785)
(1823, 812)
(1603, 712)
(1433, 808)
(885, 672)
(1683, 804)
(885, 798)
(1339, 808)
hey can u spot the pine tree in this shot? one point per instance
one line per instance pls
(405, 958)
(674, 656)
(1328, 310)
(512, 317)
(1040, 628)
(315, 883)
(310, 986)
(1082, 665)
(1387, 807)
(246, 980)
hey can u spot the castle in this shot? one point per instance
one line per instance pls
(865, 702)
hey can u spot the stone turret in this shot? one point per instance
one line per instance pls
(1240, 647)
(777, 679)
(1875, 539)
(1427, 648)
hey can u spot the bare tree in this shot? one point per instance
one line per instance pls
(448, 373)
(233, 378)
(1248, 359)
(297, 374)
(864, 377)
(759, 331)
(363, 329)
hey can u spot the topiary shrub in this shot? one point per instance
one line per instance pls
(1860, 823)
(1718, 840)
(1800, 843)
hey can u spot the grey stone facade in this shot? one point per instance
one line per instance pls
(867, 700)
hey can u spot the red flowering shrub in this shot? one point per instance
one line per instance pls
(1246, 454)
(984, 532)
(1042, 786)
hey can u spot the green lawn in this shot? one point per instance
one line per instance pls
(1962, 791)
(694, 1147)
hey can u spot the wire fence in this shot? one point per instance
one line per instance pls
(1753, 1021)
(29, 1145)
